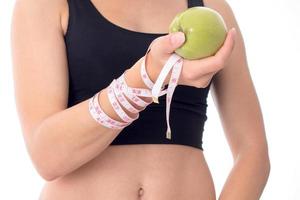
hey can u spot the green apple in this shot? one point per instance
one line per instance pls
(205, 32)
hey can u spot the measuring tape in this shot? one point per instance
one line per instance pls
(118, 89)
(174, 62)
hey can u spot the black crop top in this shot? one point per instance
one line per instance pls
(99, 51)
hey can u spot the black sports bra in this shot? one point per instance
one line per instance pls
(93, 43)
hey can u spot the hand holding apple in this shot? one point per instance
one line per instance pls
(195, 73)
(204, 29)
(200, 53)
(198, 73)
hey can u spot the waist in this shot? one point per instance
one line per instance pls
(121, 170)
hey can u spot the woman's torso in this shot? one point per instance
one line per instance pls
(162, 172)
(143, 171)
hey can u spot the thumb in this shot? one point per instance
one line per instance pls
(169, 43)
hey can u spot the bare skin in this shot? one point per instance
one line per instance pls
(156, 171)
(137, 171)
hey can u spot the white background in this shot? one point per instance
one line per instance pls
(271, 31)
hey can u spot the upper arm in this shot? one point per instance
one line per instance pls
(39, 62)
(234, 94)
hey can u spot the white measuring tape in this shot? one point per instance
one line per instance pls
(118, 89)
(174, 62)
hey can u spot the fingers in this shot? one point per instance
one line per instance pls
(167, 44)
(203, 81)
(212, 63)
(198, 83)
(227, 47)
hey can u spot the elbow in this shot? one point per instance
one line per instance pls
(44, 157)
(45, 166)
(47, 174)
(268, 165)
(259, 155)
(265, 164)
(263, 153)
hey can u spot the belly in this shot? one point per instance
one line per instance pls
(129, 172)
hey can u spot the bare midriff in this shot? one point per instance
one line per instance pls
(143, 171)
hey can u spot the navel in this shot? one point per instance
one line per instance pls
(141, 192)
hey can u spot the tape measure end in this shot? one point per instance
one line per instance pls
(169, 135)
(155, 100)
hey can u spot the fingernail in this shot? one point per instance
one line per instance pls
(177, 38)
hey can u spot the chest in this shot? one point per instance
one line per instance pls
(141, 16)
(102, 44)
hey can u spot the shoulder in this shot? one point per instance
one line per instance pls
(225, 81)
(224, 8)
(237, 62)
(42, 5)
(48, 11)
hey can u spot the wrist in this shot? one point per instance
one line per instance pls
(154, 69)
(133, 79)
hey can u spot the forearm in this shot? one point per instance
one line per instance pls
(70, 138)
(248, 176)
